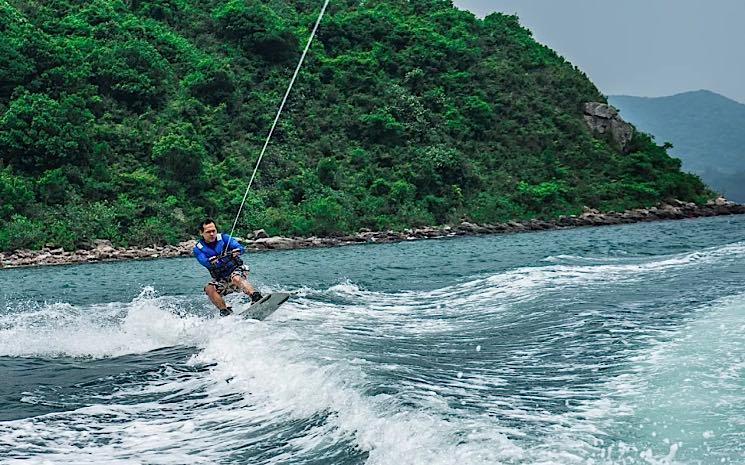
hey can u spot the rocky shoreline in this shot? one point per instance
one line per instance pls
(104, 251)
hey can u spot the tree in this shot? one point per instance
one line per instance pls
(132, 72)
(181, 155)
(211, 83)
(16, 193)
(257, 28)
(39, 133)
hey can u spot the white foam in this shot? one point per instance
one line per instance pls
(279, 378)
(273, 374)
(517, 285)
(666, 397)
(109, 330)
(292, 380)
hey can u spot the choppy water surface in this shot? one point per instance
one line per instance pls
(615, 345)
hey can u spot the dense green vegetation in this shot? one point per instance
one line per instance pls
(705, 128)
(132, 119)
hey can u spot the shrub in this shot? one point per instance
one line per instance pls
(16, 193)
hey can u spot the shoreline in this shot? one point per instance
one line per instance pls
(104, 251)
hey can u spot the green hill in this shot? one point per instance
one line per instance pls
(130, 120)
(706, 129)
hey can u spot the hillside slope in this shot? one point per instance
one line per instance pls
(130, 120)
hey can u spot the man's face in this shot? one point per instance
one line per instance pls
(209, 233)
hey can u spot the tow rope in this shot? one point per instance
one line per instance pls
(279, 112)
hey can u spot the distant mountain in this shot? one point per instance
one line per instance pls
(706, 129)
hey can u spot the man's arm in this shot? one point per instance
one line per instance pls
(234, 244)
(202, 258)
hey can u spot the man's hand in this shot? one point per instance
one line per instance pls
(235, 252)
(214, 260)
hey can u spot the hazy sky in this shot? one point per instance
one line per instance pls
(640, 47)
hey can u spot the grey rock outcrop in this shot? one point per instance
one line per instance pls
(603, 118)
(275, 243)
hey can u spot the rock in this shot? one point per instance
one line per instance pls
(719, 202)
(589, 210)
(466, 225)
(276, 242)
(41, 259)
(539, 225)
(328, 241)
(603, 118)
(260, 234)
(500, 228)
(707, 212)
(567, 221)
(351, 238)
(430, 232)
(470, 227)
(103, 247)
(314, 241)
(101, 243)
(366, 236)
(667, 211)
(515, 226)
(392, 235)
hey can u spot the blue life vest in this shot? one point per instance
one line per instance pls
(225, 264)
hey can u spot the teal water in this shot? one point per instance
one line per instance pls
(613, 345)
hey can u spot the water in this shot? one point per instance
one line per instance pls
(614, 345)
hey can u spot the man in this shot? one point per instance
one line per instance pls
(220, 253)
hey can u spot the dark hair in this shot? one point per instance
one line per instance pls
(205, 223)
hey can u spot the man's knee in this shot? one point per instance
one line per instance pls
(209, 288)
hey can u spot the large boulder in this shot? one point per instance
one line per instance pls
(103, 246)
(603, 118)
(276, 242)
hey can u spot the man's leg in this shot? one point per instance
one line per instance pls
(214, 296)
(243, 284)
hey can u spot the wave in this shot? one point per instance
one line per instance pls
(146, 323)
(490, 296)
(662, 405)
(150, 321)
(736, 249)
(365, 374)
(262, 382)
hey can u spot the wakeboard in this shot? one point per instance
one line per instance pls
(264, 307)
